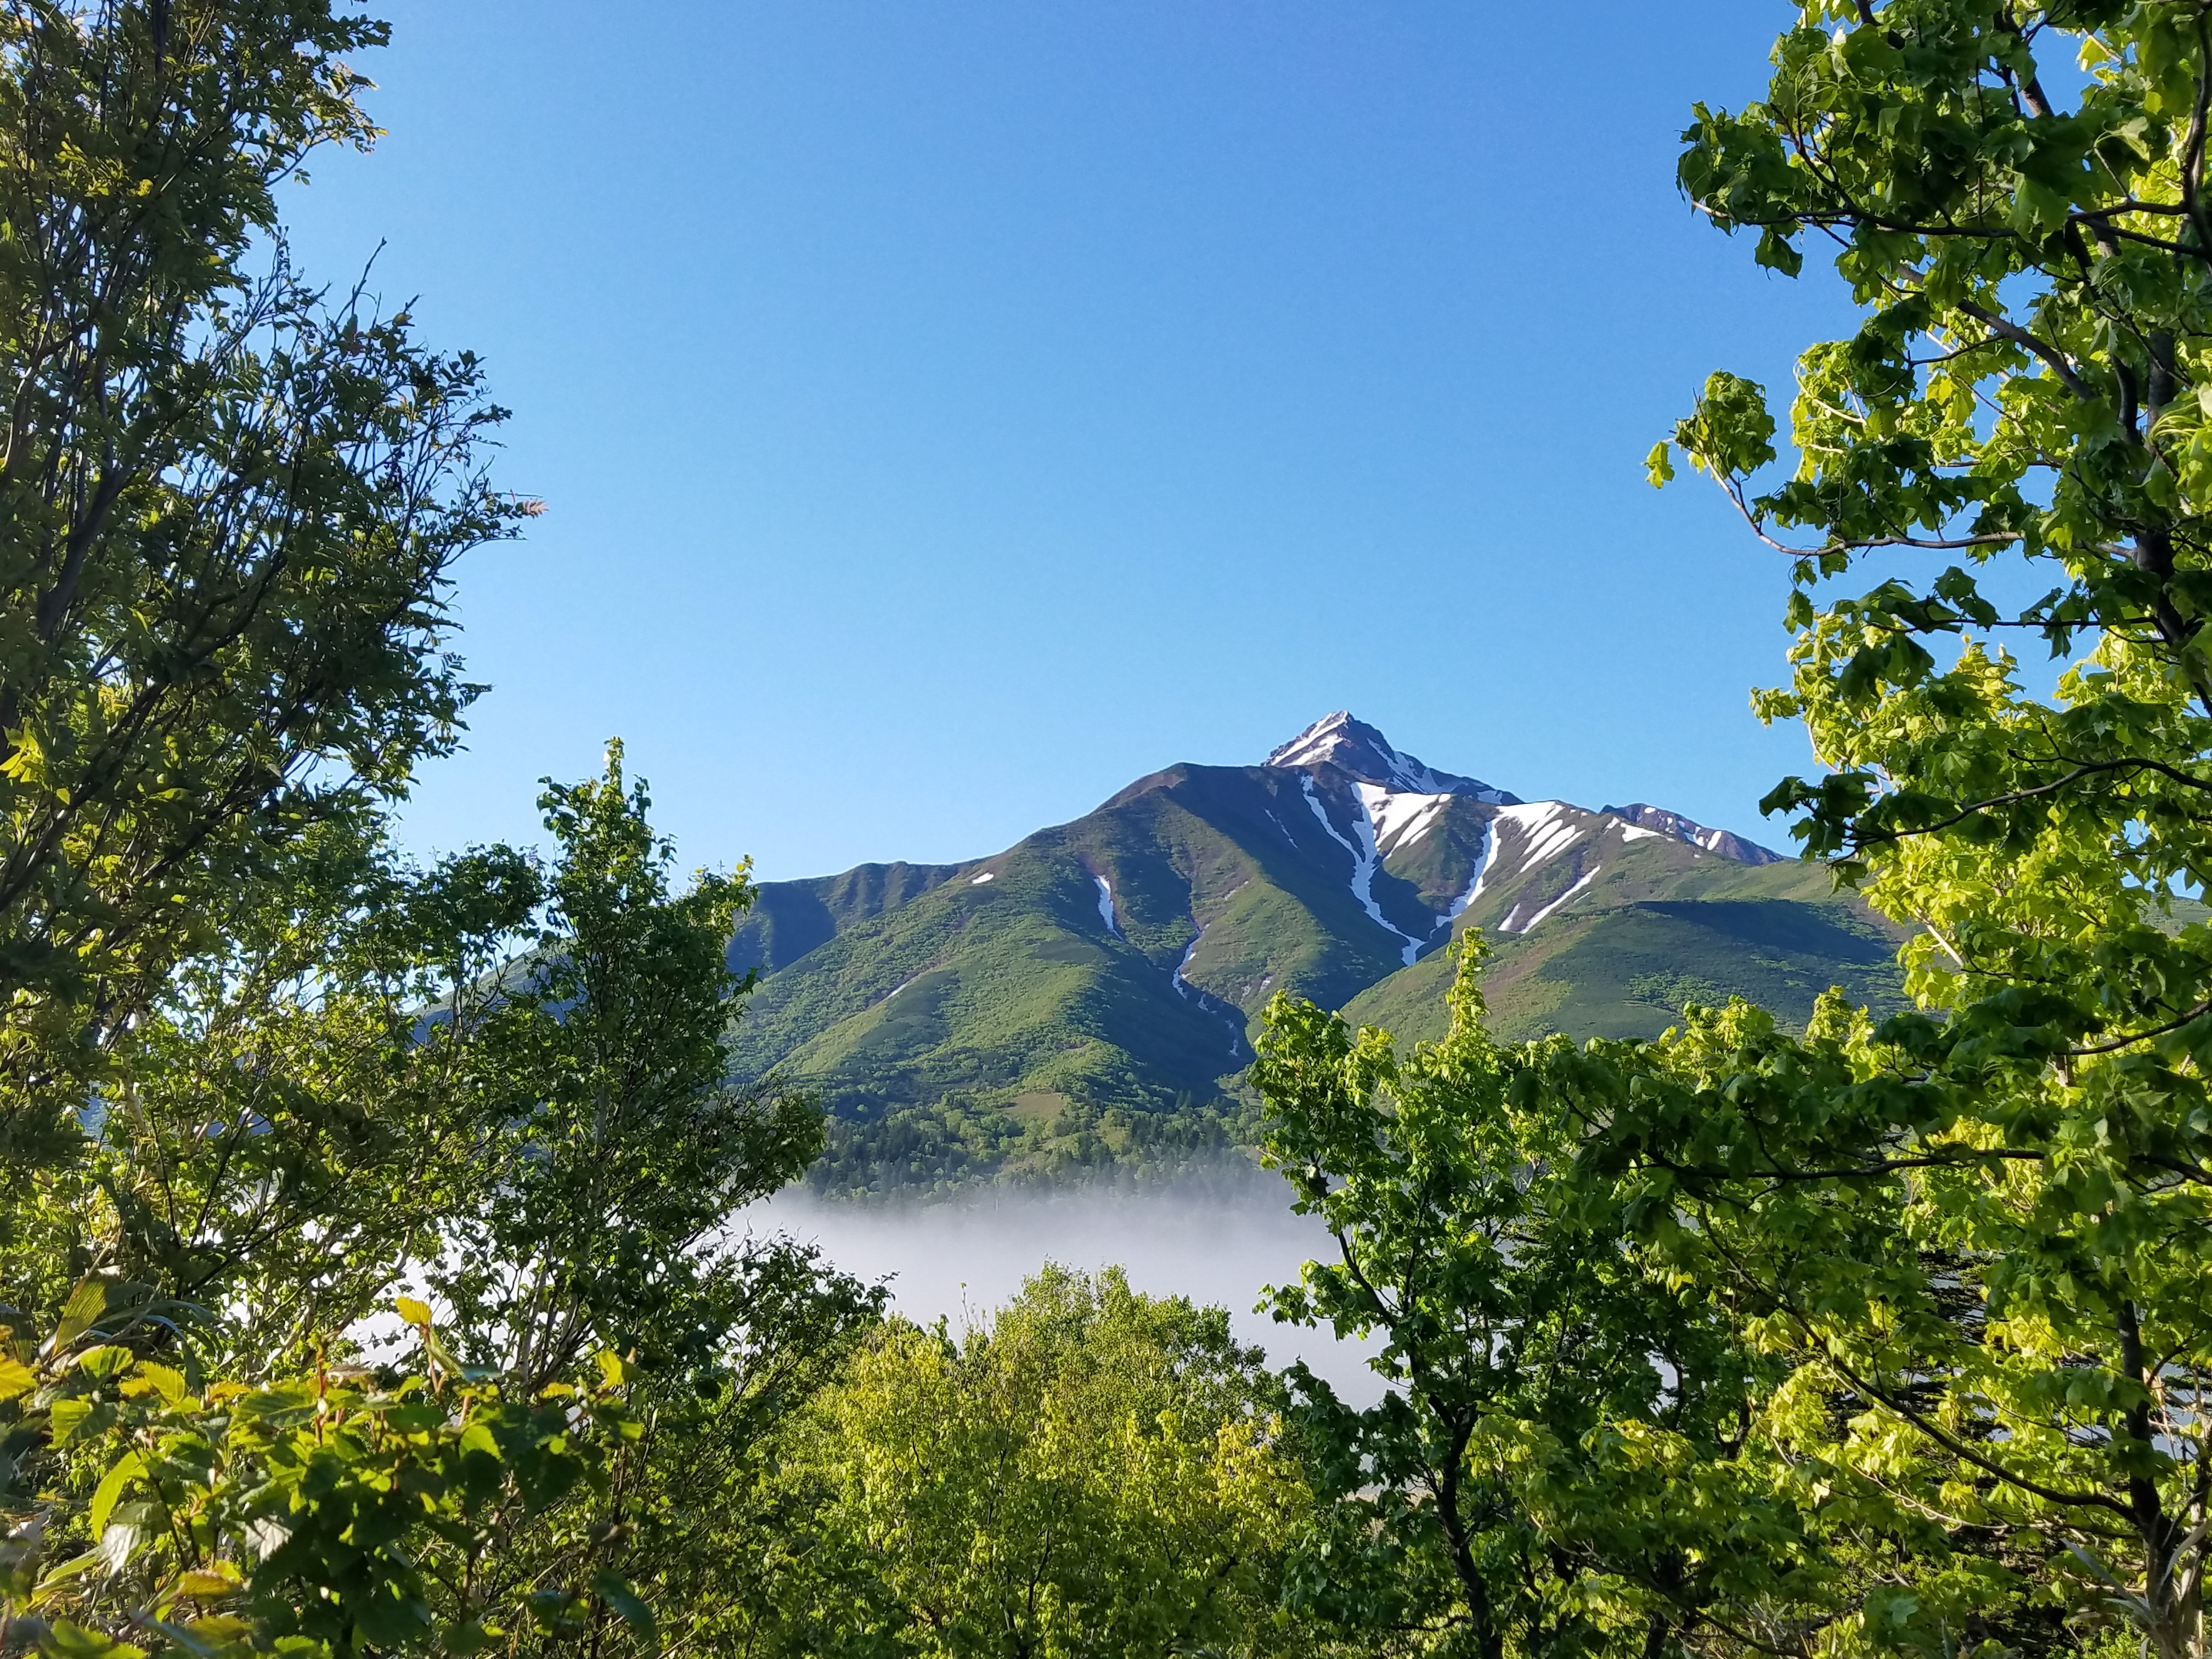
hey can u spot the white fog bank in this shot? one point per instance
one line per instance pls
(1213, 1243)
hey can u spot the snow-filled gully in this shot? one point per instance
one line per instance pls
(1213, 1004)
(1474, 886)
(1365, 860)
(1184, 986)
(1509, 926)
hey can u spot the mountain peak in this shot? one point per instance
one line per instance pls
(1359, 751)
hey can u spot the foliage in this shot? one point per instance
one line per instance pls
(1969, 1244)
(1562, 1463)
(295, 1096)
(227, 510)
(1979, 1235)
(1096, 1472)
(695, 1520)
(325, 1514)
(254, 1067)
(601, 1092)
(1962, 1253)
(279, 1139)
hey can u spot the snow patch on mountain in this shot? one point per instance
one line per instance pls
(1365, 860)
(1401, 819)
(1106, 905)
(1198, 993)
(1364, 754)
(1184, 986)
(1512, 924)
(1543, 828)
(1657, 820)
(988, 875)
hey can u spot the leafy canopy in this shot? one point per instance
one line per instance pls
(1094, 1471)
(229, 509)
(1959, 1260)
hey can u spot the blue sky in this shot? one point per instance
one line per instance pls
(949, 413)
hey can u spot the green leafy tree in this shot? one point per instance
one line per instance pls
(697, 1522)
(1095, 1472)
(280, 1135)
(1564, 1461)
(229, 510)
(1981, 1234)
(1971, 1241)
(611, 1150)
(400, 1070)
(601, 1079)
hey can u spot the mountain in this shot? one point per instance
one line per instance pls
(1105, 972)
(1359, 751)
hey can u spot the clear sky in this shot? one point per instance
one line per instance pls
(950, 412)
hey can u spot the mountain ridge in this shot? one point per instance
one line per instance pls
(1115, 965)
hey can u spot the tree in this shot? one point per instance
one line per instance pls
(604, 1104)
(1981, 1233)
(609, 1152)
(1563, 1461)
(395, 1070)
(252, 1066)
(699, 1524)
(279, 1136)
(1094, 1472)
(229, 510)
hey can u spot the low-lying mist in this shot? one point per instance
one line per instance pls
(1215, 1240)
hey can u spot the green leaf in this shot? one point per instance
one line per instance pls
(215, 1578)
(105, 1361)
(127, 1468)
(1776, 252)
(614, 1589)
(66, 1640)
(163, 1380)
(85, 1304)
(416, 1313)
(65, 1417)
(16, 1377)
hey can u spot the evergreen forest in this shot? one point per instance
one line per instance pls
(367, 1284)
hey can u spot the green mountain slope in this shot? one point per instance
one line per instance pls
(1007, 976)
(1089, 993)
(1620, 964)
